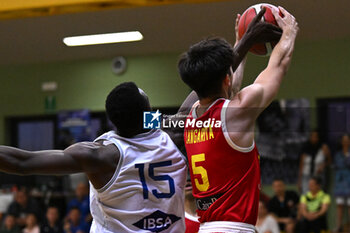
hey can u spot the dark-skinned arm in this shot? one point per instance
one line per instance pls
(85, 157)
(176, 133)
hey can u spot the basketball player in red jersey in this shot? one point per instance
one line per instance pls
(219, 131)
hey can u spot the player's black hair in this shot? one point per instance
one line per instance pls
(125, 106)
(205, 65)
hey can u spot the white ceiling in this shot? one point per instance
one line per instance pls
(169, 28)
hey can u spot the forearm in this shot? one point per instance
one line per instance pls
(238, 77)
(323, 210)
(188, 103)
(11, 159)
(278, 63)
(21, 162)
(282, 54)
(303, 211)
(240, 50)
(176, 133)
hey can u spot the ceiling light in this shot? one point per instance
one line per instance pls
(107, 38)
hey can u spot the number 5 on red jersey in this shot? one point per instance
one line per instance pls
(199, 170)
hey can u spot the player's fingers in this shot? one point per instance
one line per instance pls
(237, 19)
(276, 35)
(270, 28)
(277, 16)
(284, 11)
(258, 17)
(272, 37)
(274, 31)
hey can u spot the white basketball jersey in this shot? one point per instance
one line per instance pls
(146, 193)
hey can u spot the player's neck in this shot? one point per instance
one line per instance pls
(206, 102)
(190, 207)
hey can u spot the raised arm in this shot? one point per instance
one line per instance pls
(22, 162)
(265, 88)
(238, 74)
(176, 133)
(85, 157)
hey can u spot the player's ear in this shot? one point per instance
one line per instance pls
(227, 80)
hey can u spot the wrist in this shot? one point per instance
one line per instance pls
(290, 31)
(247, 40)
(243, 45)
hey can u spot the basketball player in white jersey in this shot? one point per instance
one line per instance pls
(137, 176)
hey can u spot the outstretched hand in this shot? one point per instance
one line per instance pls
(261, 32)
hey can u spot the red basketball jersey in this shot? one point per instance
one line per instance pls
(225, 177)
(192, 224)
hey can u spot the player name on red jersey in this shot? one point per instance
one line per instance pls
(198, 135)
(192, 123)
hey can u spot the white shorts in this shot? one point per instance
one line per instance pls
(342, 201)
(226, 227)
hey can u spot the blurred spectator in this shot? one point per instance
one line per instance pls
(52, 223)
(22, 206)
(81, 201)
(6, 198)
(10, 225)
(342, 180)
(284, 205)
(75, 179)
(314, 159)
(31, 224)
(266, 222)
(314, 206)
(73, 223)
(191, 218)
